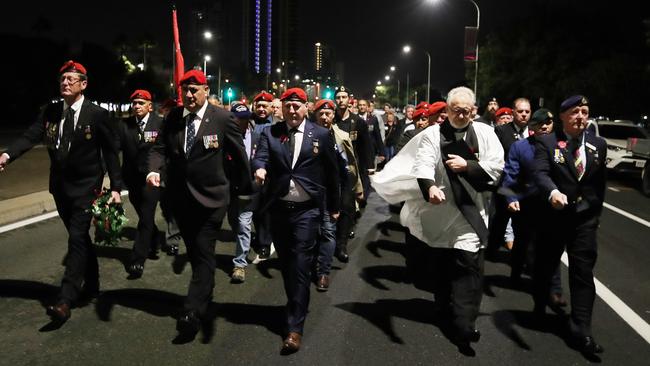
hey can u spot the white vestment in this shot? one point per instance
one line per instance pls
(441, 225)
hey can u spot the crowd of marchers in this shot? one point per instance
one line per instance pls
(293, 176)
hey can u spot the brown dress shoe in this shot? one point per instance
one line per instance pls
(323, 283)
(59, 312)
(291, 344)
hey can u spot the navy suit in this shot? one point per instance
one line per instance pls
(508, 135)
(519, 186)
(294, 226)
(573, 227)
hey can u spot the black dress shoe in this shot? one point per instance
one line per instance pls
(135, 270)
(467, 336)
(189, 323)
(588, 345)
(264, 252)
(351, 235)
(342, 255)
(172, 249)
(59, 312)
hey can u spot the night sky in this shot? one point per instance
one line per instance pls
(367, 35)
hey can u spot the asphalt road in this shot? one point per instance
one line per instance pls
(373, 313)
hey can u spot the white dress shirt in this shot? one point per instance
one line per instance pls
(76, 107)
(197, 122)
(296, 192)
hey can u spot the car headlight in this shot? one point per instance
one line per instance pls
(614, 148)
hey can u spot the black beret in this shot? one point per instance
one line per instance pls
(572, 101)
(341, 89)
(540, 115)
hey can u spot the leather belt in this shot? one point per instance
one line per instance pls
(291, 205)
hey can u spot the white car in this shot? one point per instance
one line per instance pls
(616, 134)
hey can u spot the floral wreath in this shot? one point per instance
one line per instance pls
(108, 218)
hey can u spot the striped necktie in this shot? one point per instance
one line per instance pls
(577, 160)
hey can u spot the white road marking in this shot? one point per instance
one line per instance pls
(613, 189)
(629, 316)
(32, 220)
(627, 214)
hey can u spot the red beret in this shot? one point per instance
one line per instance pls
(422, 105)
(72, 66)
(194, 77)
(436, 107)
(294, 94)
(502, 111)
(141, 94)
(264, 96)
(324, 104)
(418, 113)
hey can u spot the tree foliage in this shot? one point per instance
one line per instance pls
(552, 55)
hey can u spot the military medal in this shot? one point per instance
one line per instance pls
(315, 143)
(353, 135)
(150, 136)
(211, 141)
(558, 157)
(87, 132)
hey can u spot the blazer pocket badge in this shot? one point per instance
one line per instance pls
(87, 132)
(316, 146)
(558, 157)
(211, 141)
(150, 136)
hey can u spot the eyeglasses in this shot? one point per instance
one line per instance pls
(463, 111)
(71, 80)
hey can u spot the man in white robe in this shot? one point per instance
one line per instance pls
(453, 167)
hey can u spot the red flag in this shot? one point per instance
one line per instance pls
(179, 64)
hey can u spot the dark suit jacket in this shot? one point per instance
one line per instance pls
(363, 148)
(135, 146)
(316, 168)
(507, 134)
(375, 135)
(81, 173)
(203, 172)
(555, 169)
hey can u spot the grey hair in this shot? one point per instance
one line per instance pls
(461, 92)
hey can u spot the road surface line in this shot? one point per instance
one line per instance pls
(35, 219)
(613, 189)
(635, 321)
(627, 214)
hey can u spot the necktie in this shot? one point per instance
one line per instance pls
(68, 132)
(191, 134)
(292, 141)
(141, 123)
(577, 160)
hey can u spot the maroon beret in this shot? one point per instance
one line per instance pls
(71, 66)
(503, 110)
(294, 94)
(422, 105)
(141, 94)
(419, 112)
(324, 104)
(436, 107)
(194, 77)
(265, 96)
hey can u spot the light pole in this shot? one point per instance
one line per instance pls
(206, 58)
(478, 18)
(407, 49)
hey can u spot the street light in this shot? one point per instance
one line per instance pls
(478, 19)
(206, 58)
(387, 77)
(207, 35)
(392, 68)
(407, 49)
